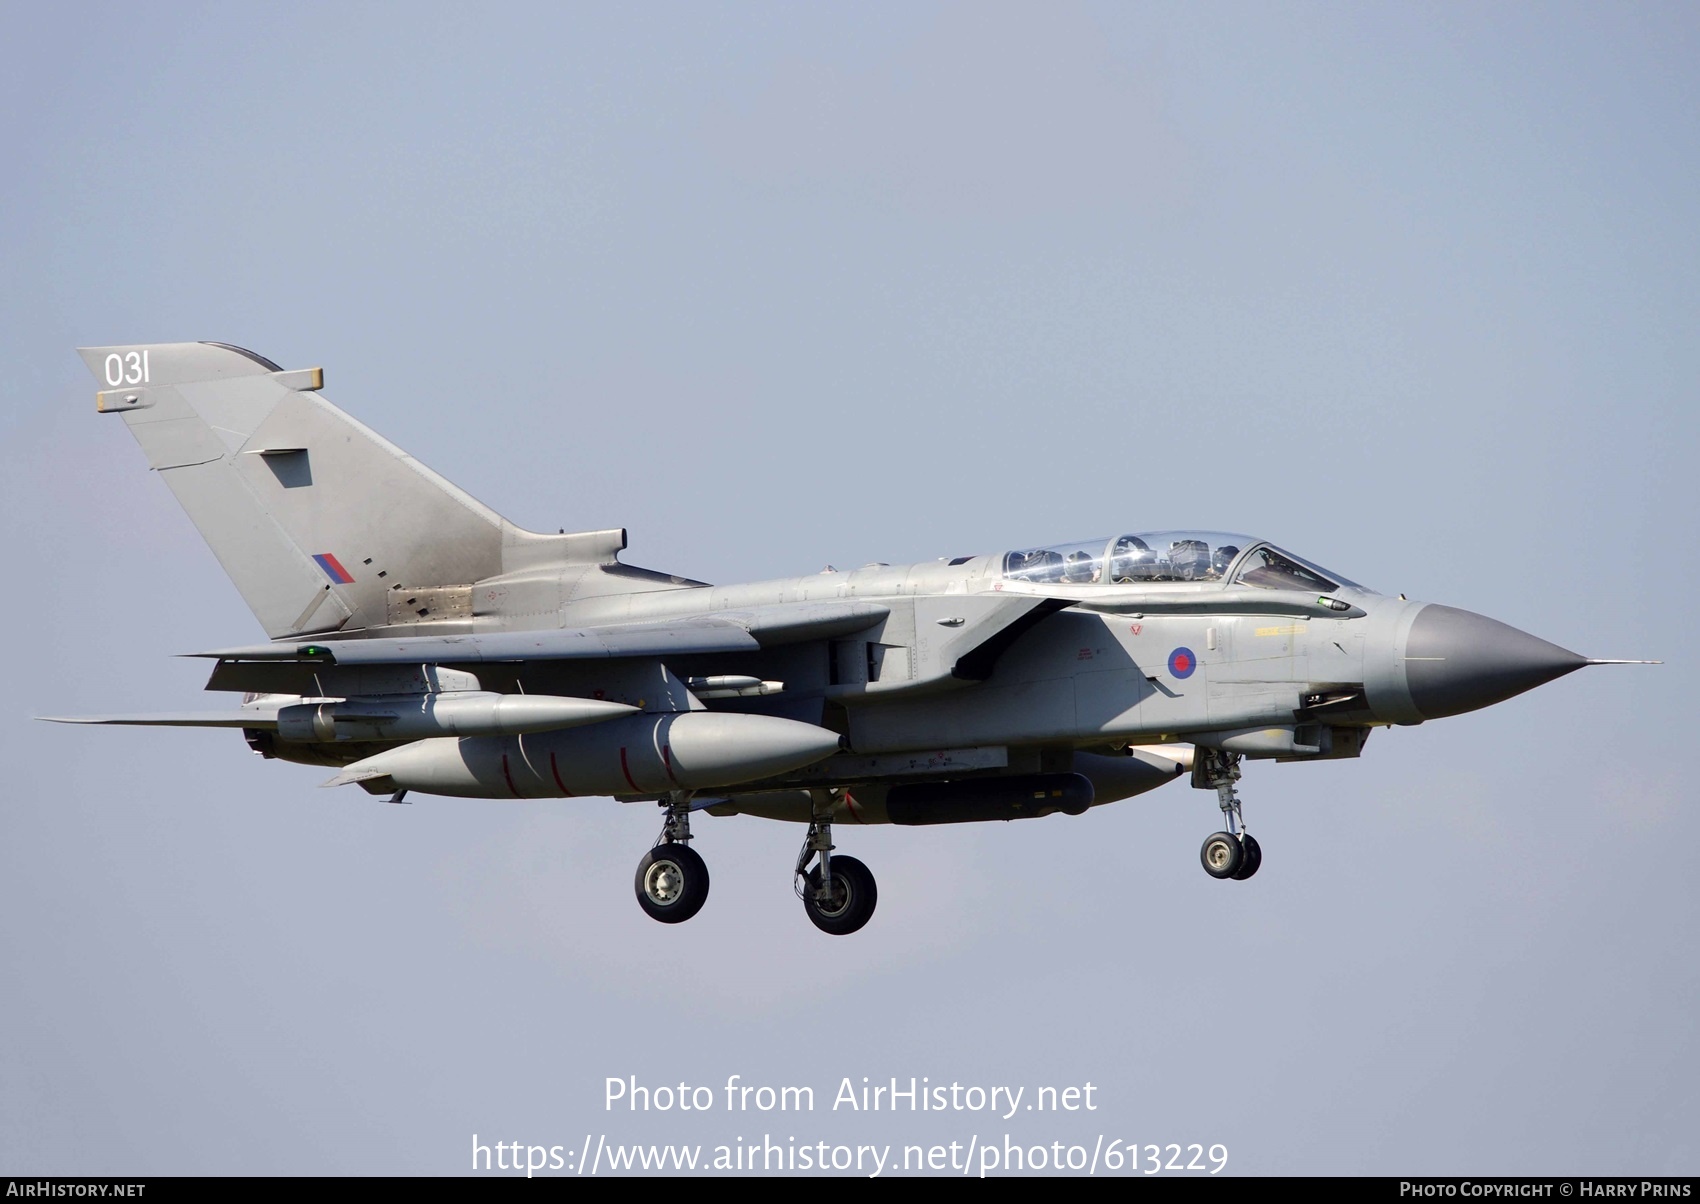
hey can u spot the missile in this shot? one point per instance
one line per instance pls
(731, 685)
(636, 755)
(420, 716)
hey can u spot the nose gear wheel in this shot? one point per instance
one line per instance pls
(1221, 855)
(1252, 858)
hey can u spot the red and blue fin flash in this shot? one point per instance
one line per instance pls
(333, 568)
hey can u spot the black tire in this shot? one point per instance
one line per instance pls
(671, 883)
(854, 897)
(1221, 855)
(1251, 859)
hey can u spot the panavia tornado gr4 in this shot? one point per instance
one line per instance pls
(419, 642)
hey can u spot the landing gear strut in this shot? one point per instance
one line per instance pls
(839, 892)
(1233, 853)
(672, 881)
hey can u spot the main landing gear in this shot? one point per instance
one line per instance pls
(1234, 853)
(838, 893)
(672, 881)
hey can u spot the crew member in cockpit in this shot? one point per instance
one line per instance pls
(1080, 569)
(1131, 560)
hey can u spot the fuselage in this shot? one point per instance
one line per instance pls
(1131, 660)
(1113, 658)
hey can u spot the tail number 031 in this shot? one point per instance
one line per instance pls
(130, 368)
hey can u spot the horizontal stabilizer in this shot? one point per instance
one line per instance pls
(253, 718)
(392, 718)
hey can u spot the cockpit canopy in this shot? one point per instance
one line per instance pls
(1169, 556)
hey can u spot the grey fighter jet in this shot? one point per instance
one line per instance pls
(419, 642)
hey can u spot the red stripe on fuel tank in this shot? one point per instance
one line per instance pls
(556, 770)
(509, 776)
(626, 769)
(667, 760)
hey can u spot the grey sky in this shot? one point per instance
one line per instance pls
(1411, 290)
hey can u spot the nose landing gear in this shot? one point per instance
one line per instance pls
(1233, 853)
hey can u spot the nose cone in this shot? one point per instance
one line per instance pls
(1457, 661)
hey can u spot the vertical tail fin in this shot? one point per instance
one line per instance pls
(313, 516)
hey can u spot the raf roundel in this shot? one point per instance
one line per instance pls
(1182, 662)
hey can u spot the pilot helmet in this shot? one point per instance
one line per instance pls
(1078, 568)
